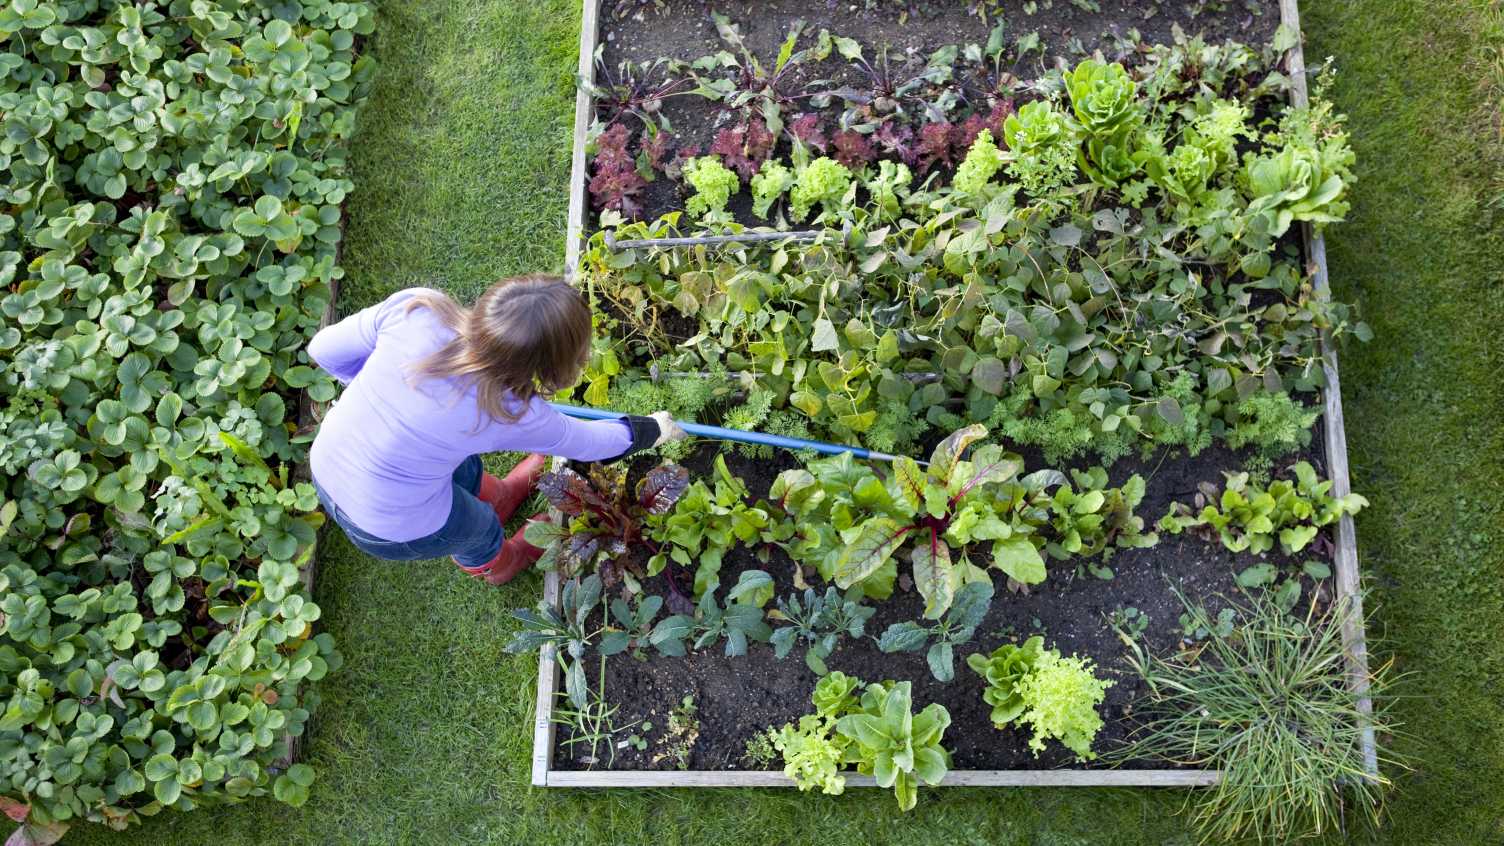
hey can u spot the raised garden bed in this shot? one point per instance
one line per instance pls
(1075, 608)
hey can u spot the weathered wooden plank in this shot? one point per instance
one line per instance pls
(548, 684)
(574, 231)
(955, 778)
(548, 671)
(1349, 585)
(708, 240)
(309, 415)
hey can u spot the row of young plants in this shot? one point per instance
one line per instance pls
(168, 237)
(1120, 274)
(846, 522)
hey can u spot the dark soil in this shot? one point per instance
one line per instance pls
(737, 698)
(682, 29)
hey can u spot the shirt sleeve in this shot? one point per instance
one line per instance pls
(542, 429)
(342, 349)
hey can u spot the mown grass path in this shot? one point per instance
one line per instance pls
(461, 167)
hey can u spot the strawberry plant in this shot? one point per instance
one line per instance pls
(603, 520)
(1249, 517)
(173, 200)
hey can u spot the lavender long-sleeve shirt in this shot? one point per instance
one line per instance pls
(386, 450)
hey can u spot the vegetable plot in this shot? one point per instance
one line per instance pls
(168, 241)
(1077, 290)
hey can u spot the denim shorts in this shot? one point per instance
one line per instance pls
(472, 534)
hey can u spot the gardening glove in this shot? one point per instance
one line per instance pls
(668, 429)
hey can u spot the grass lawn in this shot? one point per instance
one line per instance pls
(462, 163)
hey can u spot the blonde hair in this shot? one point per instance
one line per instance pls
(526, 336)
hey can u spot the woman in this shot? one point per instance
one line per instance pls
(430, 386)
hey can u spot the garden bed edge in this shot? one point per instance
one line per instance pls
(1345, 557)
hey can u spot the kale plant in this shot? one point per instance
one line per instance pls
(954, 628)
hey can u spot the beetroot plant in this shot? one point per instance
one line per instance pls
(602, 518)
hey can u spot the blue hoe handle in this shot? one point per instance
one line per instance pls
(739, 435)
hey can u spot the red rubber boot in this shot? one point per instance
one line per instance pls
(516, 555)
(506, 494)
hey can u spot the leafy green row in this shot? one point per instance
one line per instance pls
(1105, 305)
(870, 726)
(841, 518)
(168, 235)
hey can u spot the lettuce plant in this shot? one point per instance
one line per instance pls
(1107, 107)
(1043, 144)
(713, 185)
(813, 752)
(982, 161)
(744, 148)
(1248, 517)
(852, 150)
(1060, 697)
(1056, 697)
(824, 181)
(1293, 184)
(1004, 670)
(602, 519)
(871, 726)
(614, 181)
(899, 748)
(768, 184)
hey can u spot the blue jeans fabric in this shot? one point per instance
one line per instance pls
(472, 534)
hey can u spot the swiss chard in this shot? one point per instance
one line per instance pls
(705, 522)
(856, 523)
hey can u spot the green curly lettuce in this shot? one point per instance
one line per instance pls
(1060, 697)
(713, 183)
(1043, 144)
(824, 181)
(982, 162)
(812, 754)
(768, 184)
